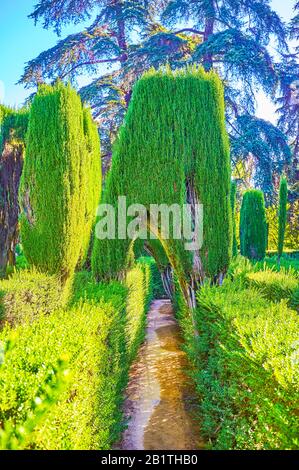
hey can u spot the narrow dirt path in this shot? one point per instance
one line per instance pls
(160, 397)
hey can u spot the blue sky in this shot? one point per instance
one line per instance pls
(21, 41)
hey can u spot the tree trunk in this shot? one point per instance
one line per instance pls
(10, 172)
(167, 281)
(198, 274)
(121, 34)
(208, 31)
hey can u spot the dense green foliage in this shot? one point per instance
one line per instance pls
(60, 184)
(245, 367)
(157, 285)
(229, 36)
(69, 368)
(139, 283)
(174, 132)
(253, 226)
(13, 125)
(276, 286)
(291, 236)
(282, 214)
(233, 192)
(27, 295)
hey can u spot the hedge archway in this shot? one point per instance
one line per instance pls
(173, 149)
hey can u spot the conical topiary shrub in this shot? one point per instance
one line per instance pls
(253, 225)
(233, 192)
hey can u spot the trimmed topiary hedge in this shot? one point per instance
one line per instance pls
(27, 295)
(245, 368)
(276, 286)
(64, 374)
(172, 146)
(60, 185)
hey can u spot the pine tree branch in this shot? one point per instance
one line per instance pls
(189, 30)
(90, 62)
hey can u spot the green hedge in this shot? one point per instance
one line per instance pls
(28, 294)
(61, 181)
(13, 125)
(158, 291)
(288, 252)
(282, 214)
(276, 286)
(175, 124)
(286, 262)
(90, 338)
(233, 201)
(245, 368)
(140, 294)
(63, 375)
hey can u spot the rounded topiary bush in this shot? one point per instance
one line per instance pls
(253, 225)
(60, 185)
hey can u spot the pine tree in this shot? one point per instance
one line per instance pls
(253, 225)
(233, 192)
(288, 111)
(282, 215)
(273, 152)
(233, 39)
(129, 37)
(60, 181)
(100, 50)
(289, 87)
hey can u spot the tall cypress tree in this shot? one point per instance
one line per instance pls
(233, 193)
(282, 215)
(60, 181)
(288, 111)
(253, 225)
